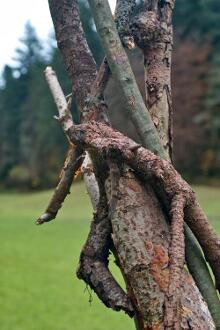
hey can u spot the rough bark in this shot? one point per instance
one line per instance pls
(93, 266)
(140, 231)
(122, 74)
(152, 31)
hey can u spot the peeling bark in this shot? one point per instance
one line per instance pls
(176, 263)
(152, 31)
(141, 237)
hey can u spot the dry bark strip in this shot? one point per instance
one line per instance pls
(165, 179)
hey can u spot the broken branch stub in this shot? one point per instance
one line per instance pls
(74, 158)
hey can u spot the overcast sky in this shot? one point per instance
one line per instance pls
(13, 16)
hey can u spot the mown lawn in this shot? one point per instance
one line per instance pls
(38, 286)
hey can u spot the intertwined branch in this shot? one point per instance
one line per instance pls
(119, 165)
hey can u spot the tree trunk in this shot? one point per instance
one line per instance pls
(147, 228)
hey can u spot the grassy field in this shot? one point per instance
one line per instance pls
(38, 286)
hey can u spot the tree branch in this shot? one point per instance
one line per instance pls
(93, 267)
(72, 164)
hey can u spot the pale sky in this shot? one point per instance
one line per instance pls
(13, 16)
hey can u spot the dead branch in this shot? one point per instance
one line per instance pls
(73, 160)
(93, 266)
(72, 163)
(65, 117)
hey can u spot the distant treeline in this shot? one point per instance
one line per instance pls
(33, 147)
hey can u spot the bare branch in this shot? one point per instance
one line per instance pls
(73, 160)
(72, 164)
(90, 181)
(65, 116)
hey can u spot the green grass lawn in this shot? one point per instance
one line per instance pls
(38, 286)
